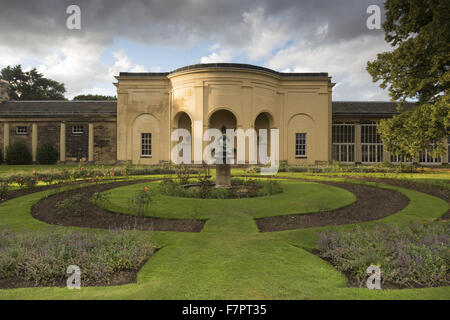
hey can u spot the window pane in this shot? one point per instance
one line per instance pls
(300, 144)
(146, 144)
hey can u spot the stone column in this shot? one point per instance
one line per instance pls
(34, 141)
(5, 137)
(62, 142)
(358, 149)
(91, 143)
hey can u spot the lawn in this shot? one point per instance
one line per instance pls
(229, 258)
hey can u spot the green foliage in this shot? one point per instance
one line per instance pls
(47, 154)
(419, 32)
(421, 128)
(97, 97)
(270, 188)
(4, 190)
(101, 198)
(17, 153)
(139, 203)
(1, 156)
(205, 189)
(72, 203)
(31, 85)
(416, 68)
(183, 173)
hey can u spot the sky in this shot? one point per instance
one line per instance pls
(162, 35)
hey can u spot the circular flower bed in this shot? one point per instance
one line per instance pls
(206, 189)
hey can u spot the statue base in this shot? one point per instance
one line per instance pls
(223, 176)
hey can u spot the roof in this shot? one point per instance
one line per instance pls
(232, 66)
(73, 108)
(57, 108)
(368, 108)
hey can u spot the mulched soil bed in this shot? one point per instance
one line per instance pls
(435, 191)
(91, 216)
(372, 204)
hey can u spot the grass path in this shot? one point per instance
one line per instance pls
(229, 259)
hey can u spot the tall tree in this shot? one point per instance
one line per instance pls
(31, 85)
(418, 67)
(94, 97)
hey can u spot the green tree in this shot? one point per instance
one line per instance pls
(418, 67)
(31, 85)
(94, 97)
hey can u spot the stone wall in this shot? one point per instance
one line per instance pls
(105, 142)
(77, 144)
(13, 136)
(49, 132)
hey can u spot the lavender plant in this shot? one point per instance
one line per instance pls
(42, 257)
(412, 256)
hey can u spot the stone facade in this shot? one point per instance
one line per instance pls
(224, 95)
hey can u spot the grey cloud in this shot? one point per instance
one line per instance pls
(175, 23)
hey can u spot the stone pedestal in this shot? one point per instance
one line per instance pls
(223, 176)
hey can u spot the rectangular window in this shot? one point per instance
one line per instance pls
(146, 145)
(400, 159)
(21, 130)
(425, 157)
(343, 136)
(77, 129)
(371, 145)
(300, 145)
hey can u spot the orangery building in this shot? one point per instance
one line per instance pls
(138, 126)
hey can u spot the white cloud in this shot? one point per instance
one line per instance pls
(123, 64)
(216, 57)
(345, 62)
(77, 64)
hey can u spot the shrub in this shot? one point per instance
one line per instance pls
(101, 198)
(72, 203)
(416, 255)
(139, 203)
(26, 182)
(17, 153)
(4, 190)
(270, 188)
(183, 174)
(47, 154)
(42, 257)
